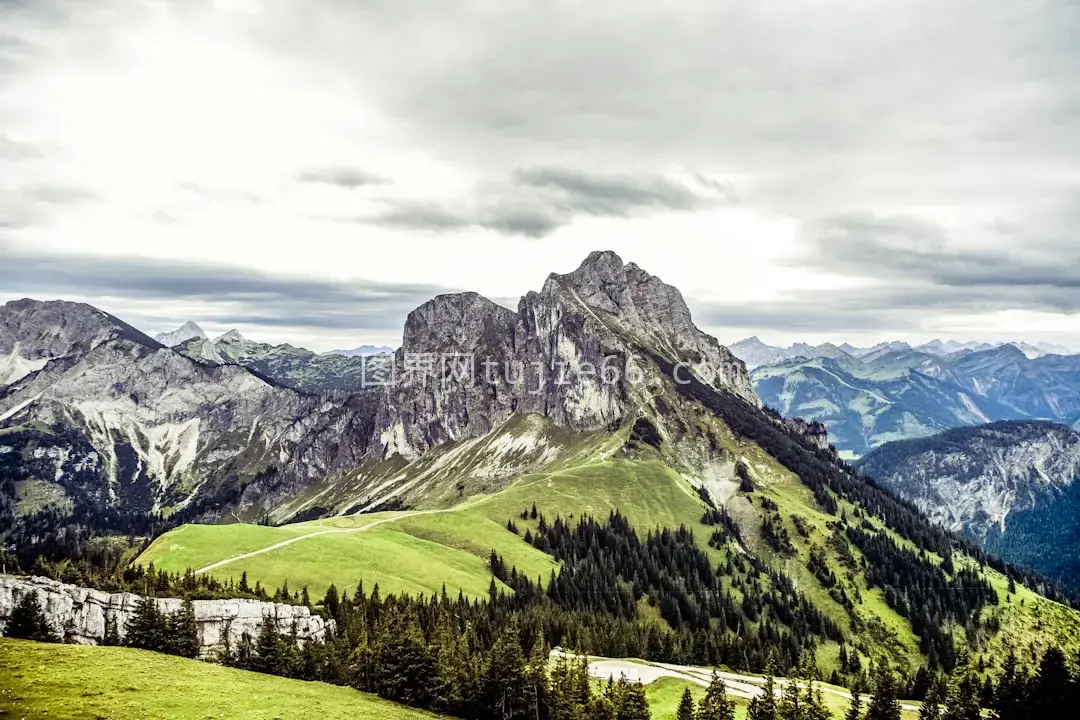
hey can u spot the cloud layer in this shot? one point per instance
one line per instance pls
(824, 169)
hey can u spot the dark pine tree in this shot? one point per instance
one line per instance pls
(686, 706)
(28, 622)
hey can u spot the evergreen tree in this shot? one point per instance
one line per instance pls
(536, 679)
(964, 696)
(716, 705)
(28, 622)
(633, 704)
(146, 628)
(855, 708)
(267, 655)
(183, 639)
(686, 706)
(931, 708)
(403, 666)
(763, 707)
(245, 653)
(455, 676)
(332, 603)
(791, 700)
(504, 685)
(1052, 686)
(112, 631)
(1011, 691)
(884, 705)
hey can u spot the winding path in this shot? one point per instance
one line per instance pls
(746, 687)
(404, 515)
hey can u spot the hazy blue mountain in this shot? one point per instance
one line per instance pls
(754, 352)
(888, 395)
(363, 351)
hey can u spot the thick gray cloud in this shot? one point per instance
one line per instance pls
(536, 201)
(617, 195)
(346, 177)
(237, 295)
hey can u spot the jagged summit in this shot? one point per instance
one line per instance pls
(544, 358)
(233, 336)
(455, 322)
(188, 331)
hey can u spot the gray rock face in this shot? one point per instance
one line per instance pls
(972, 479)
(115, 419)
(814, 431)
(78, 614)
(575, 352)
(32, 333)
(1013, 487)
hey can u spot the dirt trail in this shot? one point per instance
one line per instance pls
(745, 687)
(403, 516)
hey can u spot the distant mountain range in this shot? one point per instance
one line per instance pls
(363, 351)
(755, 353)
(285, 365)
(1014, 487)
(867, 397)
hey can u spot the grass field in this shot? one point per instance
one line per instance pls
(420, 552)
(71, 681)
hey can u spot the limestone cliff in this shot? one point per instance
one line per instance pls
(78, 614)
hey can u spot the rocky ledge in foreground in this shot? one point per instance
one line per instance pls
(78, 614)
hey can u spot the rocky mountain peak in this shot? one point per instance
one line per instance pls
(544, 358)
(33, 332)
(451, 322)
(233, 336)
(187, 331)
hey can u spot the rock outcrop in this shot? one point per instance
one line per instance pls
(813, 431)
(78, 614)
(1013, 487)
(577, 352)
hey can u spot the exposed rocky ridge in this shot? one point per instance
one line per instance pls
(78, 614)
(32, 333)
(1013, 486)
(118, 422)
(573, 352)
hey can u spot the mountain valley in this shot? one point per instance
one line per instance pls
(591, 464)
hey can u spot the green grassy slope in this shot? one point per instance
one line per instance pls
(421, 551)
(71, 681)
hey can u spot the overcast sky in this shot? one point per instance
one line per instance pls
(310, 171)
